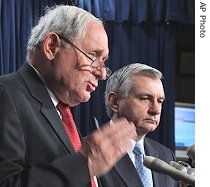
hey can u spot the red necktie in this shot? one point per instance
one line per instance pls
(71, 129)
(69, 125)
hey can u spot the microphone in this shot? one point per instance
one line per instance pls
(161, 166)
(183, 167)
(191, 152)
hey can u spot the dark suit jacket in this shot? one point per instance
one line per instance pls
(124, 173)
(35, 150)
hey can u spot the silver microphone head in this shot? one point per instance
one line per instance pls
(191, 151)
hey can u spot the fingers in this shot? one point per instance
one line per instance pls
(105, 147)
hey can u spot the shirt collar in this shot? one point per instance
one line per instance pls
(133, 142)
(52, 96)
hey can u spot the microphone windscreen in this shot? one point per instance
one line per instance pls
(191, 152)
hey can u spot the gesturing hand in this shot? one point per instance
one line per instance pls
(104, 147)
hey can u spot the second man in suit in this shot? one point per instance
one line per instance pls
(136, 92)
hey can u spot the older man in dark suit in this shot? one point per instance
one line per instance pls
(66, 53)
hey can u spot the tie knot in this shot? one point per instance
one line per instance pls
(138, 149)
(61, 106)
(64, 110)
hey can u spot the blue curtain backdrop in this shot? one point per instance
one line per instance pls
(139, 31)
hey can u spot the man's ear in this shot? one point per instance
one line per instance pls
(50, 45)
(113, 101)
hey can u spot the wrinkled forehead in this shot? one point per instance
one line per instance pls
(95, 38)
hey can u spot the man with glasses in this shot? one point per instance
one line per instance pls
(95, 63)
(66, 57)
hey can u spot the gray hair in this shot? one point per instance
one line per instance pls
(69, 21)
(121, 82)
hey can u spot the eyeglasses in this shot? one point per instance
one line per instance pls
(94, 65)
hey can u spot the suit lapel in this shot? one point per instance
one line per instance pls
(40, 93)
(127, 172)
(55, 122)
